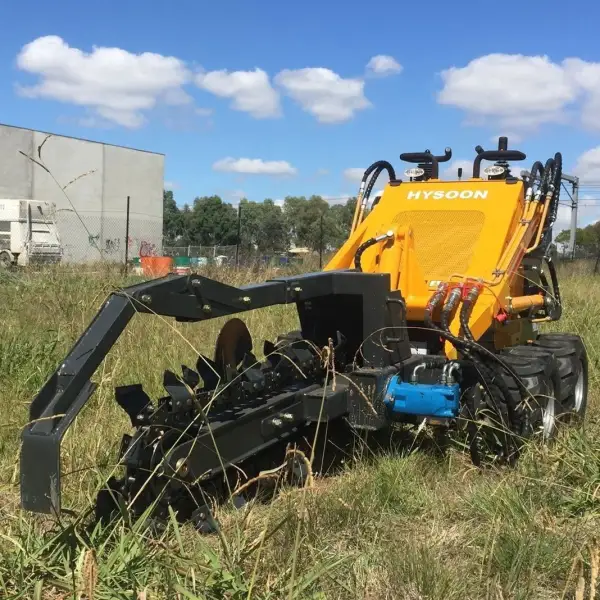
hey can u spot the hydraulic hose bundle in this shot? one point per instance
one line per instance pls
(365, 190)
(480, 357)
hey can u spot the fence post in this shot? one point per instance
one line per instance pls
(127, 236)
(239, 235)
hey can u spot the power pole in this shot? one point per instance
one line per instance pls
(574, 204)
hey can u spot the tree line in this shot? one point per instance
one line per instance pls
(264, 226)
(587, 240)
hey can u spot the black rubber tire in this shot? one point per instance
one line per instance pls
(572, 357)
(538, 370)
(485, 419)
(5, 260)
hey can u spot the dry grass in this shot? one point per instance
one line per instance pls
(409, 525)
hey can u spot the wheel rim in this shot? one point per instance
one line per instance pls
(578, 400)
(548, 417)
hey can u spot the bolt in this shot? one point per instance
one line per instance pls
(297, 289)
(195, 282)
(146, 298)
(276, 422)
(246, 300)
(287, 417)
(206, 308)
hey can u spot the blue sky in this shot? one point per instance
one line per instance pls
(271, 99)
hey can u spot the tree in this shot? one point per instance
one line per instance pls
(265, 226)
(341, 221)
(272, 230)
(293, 209)
(172, 219)
(212, 222)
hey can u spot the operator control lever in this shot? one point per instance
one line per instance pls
(501, 154)
(427, 158)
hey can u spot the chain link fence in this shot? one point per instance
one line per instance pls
(244, 257)
(89, 238)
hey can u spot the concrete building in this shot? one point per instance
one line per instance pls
(89, 183)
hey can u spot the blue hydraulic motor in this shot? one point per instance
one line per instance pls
(435, 401)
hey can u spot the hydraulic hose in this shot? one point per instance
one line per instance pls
(536, 168)
(557, 183)
(463, 344)
(472, 350)
(552, 184)
(466, 310)
(365, 190)
(453, 301)
(370, 242)
(470, 347)
(554, 278)
(437, 297)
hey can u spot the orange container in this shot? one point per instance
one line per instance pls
(156, 266)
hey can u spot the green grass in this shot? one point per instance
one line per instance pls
(408, 525)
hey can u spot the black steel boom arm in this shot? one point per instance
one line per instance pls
(185, 298)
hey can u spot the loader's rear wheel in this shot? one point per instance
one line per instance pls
(572, 359)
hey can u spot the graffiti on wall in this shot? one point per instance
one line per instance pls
(147, 248)
(111, 245)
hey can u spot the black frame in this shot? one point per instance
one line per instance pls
(360, 305)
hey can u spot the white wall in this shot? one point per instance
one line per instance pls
(91, 212)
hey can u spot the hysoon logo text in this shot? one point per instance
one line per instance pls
(447, 195)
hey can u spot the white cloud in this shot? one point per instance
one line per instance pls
(383, 65)
(354, 174)
(254, 166)
(204, 112)
(171, 185)
(586, 75)
(116, 85)
(249, 91)
(587, 167)
(323, 93)
(513, 138)
(322, 172)
(518, 92)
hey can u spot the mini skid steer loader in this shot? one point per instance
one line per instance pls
(429, 310)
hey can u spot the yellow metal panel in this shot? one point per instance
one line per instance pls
(435, 232)
(454, 231)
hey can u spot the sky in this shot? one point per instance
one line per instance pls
(269, 99)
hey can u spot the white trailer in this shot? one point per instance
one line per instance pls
(28, 233)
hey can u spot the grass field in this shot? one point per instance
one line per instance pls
(405, 525)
